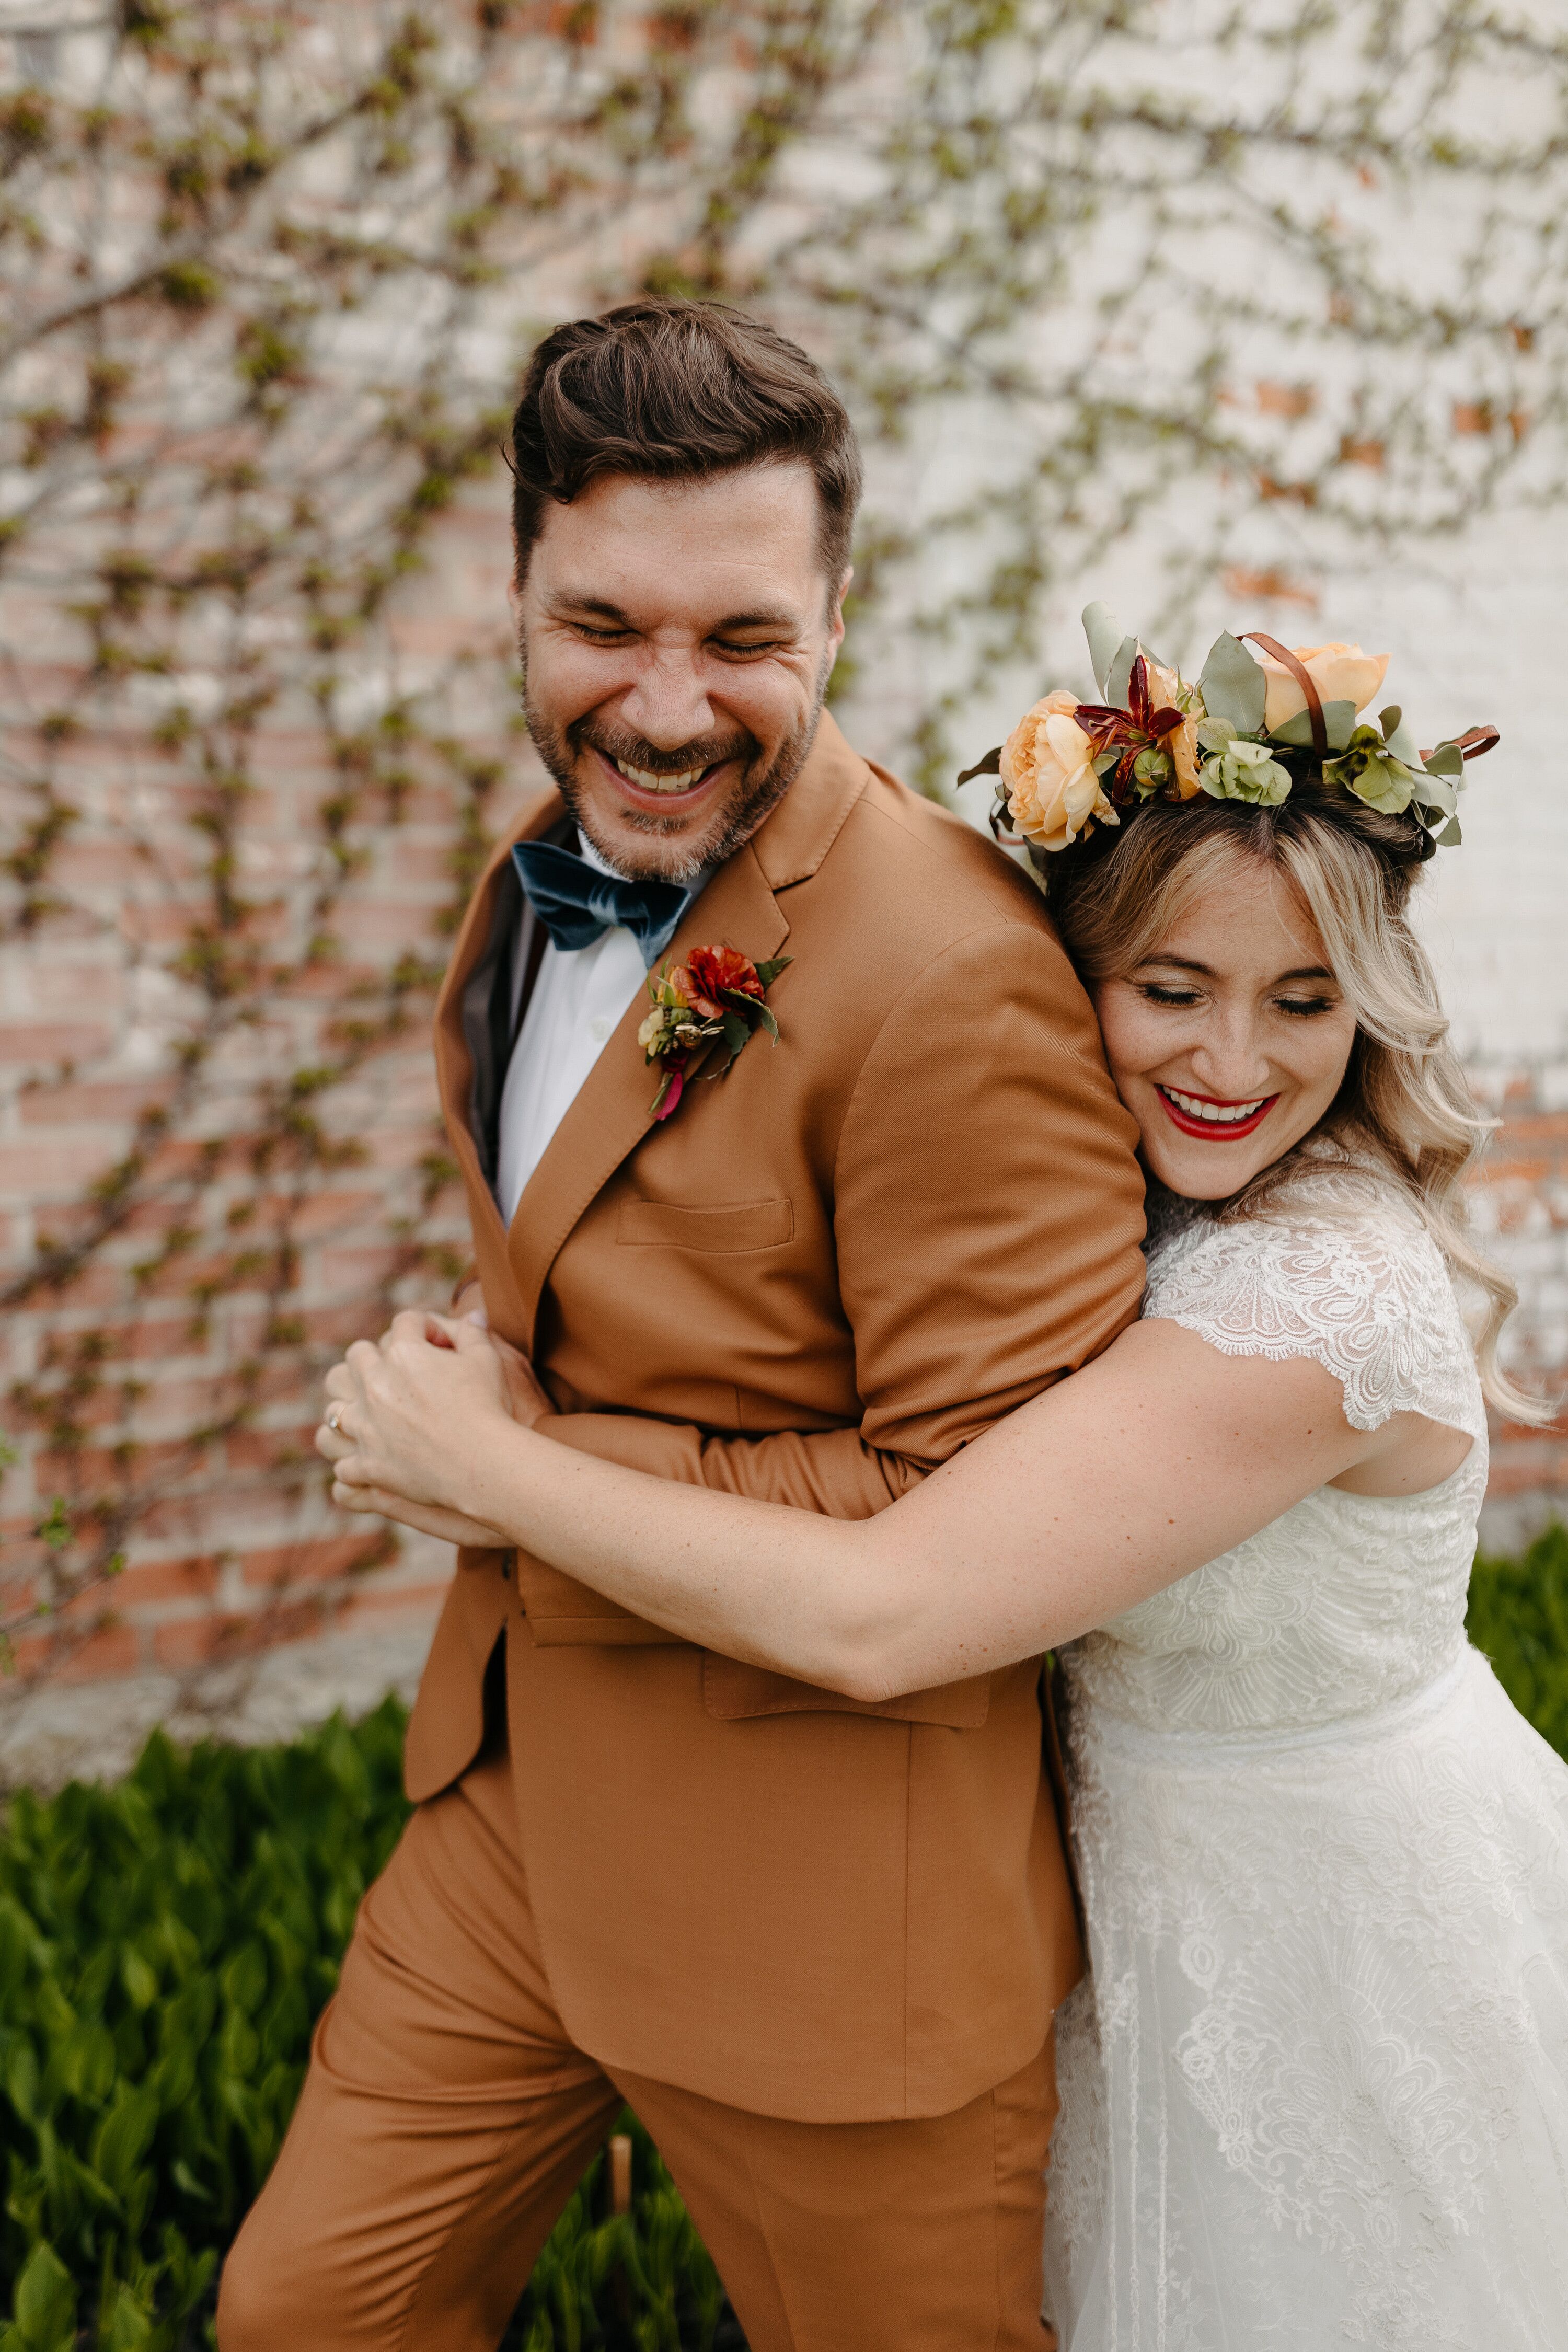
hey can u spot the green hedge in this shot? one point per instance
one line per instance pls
(1519, 1616)
(164, 1945)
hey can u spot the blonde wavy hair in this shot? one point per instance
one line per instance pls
(1405, 1103)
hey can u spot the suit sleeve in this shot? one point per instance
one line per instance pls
(988, 1214)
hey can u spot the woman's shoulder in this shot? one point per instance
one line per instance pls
(1341, 1204)
(1335, 1262)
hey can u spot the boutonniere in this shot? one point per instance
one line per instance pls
(715, 999)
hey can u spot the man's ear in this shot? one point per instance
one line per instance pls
(835, 611)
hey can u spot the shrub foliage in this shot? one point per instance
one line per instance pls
(1519, 1616)
(165, 1949)
(164, 1946)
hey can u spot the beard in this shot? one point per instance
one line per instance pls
(676, 851)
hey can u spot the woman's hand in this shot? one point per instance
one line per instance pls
(449, 1526)
(409, 1416)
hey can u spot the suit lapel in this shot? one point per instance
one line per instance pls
(613, 1110)
(454, 1071)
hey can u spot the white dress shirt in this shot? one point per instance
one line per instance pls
(578, 998)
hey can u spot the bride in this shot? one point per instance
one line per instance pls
(1315, 2086)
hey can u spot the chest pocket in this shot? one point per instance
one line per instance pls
(728, 1227)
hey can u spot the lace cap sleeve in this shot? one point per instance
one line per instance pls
(1363, 1289)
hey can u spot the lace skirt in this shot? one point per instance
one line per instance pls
(1315, 2089)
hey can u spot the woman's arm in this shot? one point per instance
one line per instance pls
(1160, 1456)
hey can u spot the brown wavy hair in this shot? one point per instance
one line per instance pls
(1405, 1102)
(670, 391)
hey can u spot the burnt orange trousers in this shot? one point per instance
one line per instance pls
(447, 2118)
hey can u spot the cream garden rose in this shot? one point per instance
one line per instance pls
(1047, 767)
(1339, 673)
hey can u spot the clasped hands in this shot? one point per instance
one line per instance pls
(410, 1416)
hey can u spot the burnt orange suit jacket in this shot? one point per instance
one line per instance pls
(822, 1276)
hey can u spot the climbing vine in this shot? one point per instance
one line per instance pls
(1212, 289)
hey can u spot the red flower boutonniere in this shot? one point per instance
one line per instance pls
(715, 1000)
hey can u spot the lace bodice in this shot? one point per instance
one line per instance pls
(1347, 1601)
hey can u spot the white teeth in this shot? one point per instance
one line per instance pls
(1212, 1113)
(652, 784)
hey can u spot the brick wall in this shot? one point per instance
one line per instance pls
(1522, 1219)
(239, 1551)
(241, 1586)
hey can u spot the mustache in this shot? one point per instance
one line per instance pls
(702, 752)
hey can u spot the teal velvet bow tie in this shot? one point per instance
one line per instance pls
(577, 903)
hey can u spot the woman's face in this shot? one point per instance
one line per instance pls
(1229, 1043)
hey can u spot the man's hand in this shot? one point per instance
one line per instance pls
(525, 1396)
(526, 1400)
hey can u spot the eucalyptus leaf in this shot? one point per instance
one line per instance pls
(1118, 684)
(1400, 737)
(1450, 837)
(1339, 723)
(1233, 685)
(1436, 793)
(1448, 759)
(1103, 630)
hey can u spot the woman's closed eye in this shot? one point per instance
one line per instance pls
(1159, 992)
(1298, 1008)
(1303, 1008)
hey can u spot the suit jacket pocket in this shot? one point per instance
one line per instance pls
(560, 1614)
(726, 1225)
(734, 1692)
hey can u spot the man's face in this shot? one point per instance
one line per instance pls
(676, 641)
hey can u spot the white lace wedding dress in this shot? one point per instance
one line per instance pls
(1315, 2087)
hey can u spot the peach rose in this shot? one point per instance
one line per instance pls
(1339, 673)
(1047, 766)
(1182, 742)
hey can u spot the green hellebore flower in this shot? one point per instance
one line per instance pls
(1370, 771)
(1244, 770)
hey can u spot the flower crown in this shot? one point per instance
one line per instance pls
(1249, 729)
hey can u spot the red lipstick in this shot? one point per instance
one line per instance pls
(1213, 1131)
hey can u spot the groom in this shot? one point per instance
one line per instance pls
(817, 1943)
